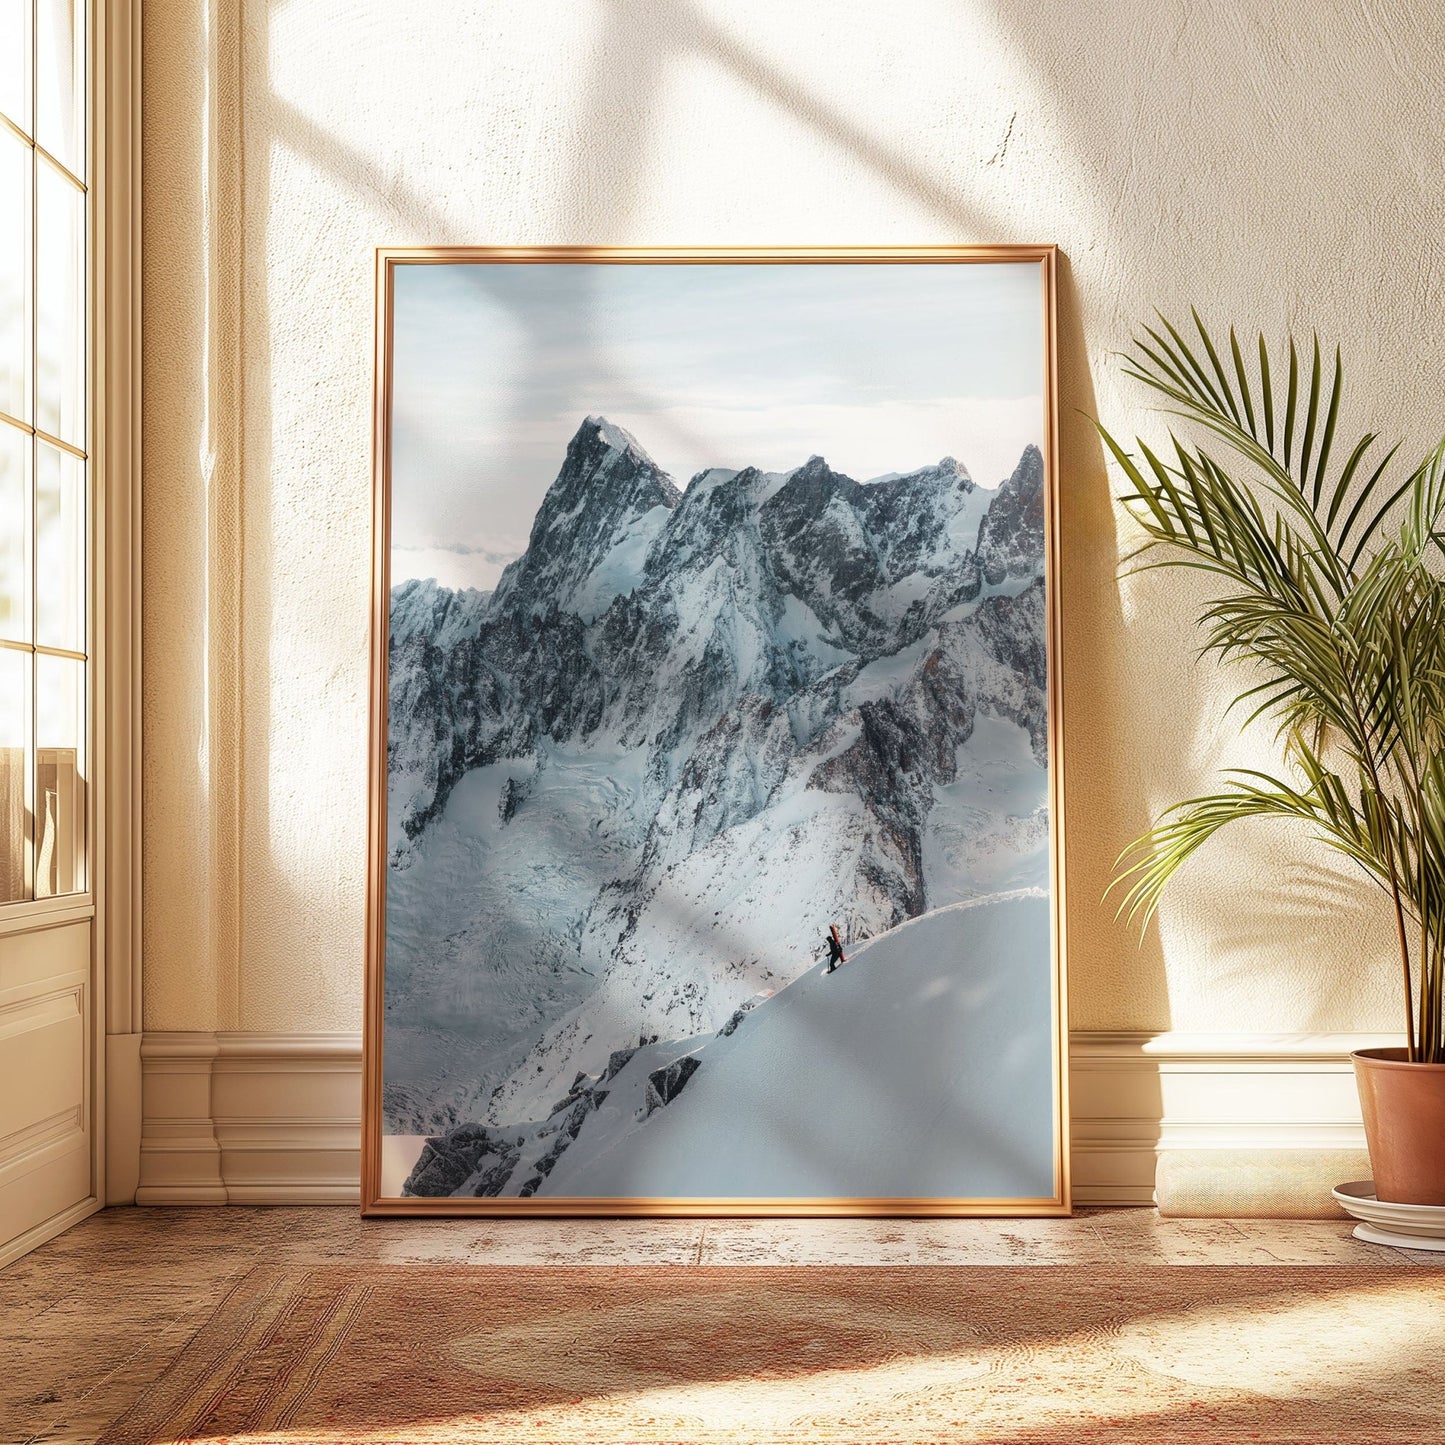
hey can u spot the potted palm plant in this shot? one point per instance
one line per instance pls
(1326, 558)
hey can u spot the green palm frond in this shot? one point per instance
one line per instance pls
(1241, 408)
(1328, 590)
(1146, 866)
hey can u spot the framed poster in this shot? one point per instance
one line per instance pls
(716, 773)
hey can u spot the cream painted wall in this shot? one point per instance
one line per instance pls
(1278, 164)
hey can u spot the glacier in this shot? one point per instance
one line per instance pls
(630, 788)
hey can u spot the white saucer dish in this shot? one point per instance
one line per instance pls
(1372, 1235)
(1407, 1226)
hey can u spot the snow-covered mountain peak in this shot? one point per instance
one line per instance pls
(1011, 535)
(809, 490)
(816, 469)
(594, 526)
(610, 435)
(605, 464)
(947, 472)
(712, 477)
(950, 469)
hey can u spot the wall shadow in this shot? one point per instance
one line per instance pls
(1105, 803)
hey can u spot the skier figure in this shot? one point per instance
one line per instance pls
(835, 949)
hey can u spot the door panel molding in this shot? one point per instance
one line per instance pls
(21, 1146)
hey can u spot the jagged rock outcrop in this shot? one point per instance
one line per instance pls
(665, 1084)
(470, 1152)
(738, 1015)
(436, 706)
(480, 1162)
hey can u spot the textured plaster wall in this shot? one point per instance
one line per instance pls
(1277, 163)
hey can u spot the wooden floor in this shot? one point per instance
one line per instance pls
(89, 1320)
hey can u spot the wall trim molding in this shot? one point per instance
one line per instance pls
(1183, 1047)
(1217, 1123)
(1226, 1123)
(250, 1118)
(47, 1229)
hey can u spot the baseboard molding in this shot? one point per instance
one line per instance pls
(1230, 1124)
(250, 1118)
(47, 1230)
(1234, 1124)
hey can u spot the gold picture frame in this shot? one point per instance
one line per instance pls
(1053, 1201)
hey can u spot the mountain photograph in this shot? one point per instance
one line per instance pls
(638, 779)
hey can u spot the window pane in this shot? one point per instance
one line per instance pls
(59, 306)
(59, 776)
(60, 82)
(15, 55)
(15, 173)
(14, 535)
(14, 813)
(59, 549)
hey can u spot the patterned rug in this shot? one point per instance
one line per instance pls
(802, 1354)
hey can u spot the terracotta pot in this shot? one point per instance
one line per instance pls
(1404, 1109)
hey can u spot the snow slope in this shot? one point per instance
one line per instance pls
(922, 1067)
(482, 930)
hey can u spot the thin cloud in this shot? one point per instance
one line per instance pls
(462, 549)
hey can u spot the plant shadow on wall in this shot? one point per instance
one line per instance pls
(1326, 589)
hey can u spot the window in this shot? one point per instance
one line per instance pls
(44, 457)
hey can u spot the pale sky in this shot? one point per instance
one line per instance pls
(878, 368)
